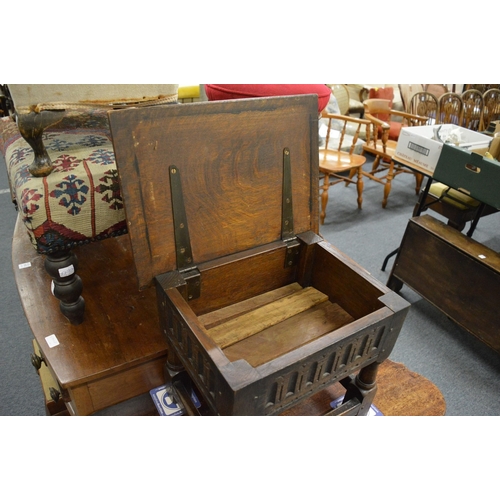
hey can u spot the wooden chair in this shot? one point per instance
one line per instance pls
(424, 104)
(482, 87)
(380, 145)
(436, 89)
(407, 91)
(335, 161)
(472, 109)
(491, 107)
(356, 97)
(341, 94)
(450, 108)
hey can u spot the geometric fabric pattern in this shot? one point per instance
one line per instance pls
(79, 201)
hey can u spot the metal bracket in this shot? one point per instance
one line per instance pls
(184, 254)
(287, 232)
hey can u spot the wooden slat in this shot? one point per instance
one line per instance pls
(253, 322)
(212, 319)
(289, 334)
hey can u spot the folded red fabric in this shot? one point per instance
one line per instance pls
(218, 92)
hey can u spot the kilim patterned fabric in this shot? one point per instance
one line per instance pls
(80, 201)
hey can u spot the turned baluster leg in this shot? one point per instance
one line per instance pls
(324, 198)
(174, 364)
(418, 182)
(388, 184)
(364, 387)
(67, 285)
(359, 187)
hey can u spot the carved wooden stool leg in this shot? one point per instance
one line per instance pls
(364, 387)
(67, 285)
(174, 364)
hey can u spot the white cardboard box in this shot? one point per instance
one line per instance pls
(417, 145)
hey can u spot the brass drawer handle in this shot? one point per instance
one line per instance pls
(37, 361)
(54, 394)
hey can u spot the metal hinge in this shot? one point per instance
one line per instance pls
(184, 254)
(287, 232)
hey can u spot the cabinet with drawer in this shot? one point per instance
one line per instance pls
(116, 355)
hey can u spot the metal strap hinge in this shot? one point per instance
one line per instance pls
(287, 232)
(184, 254)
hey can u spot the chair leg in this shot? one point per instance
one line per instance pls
(67, 285)
(375, 164)
(388, 184)
(418, 182)
(352, 173)
(359, 186)
(324, 198)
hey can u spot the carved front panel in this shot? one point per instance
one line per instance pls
(324, 369)
(192, 355)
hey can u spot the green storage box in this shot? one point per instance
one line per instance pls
(469, 173)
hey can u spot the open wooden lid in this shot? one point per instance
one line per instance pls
(229, 159)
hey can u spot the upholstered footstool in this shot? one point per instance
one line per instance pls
(64, 183)
(78, 203)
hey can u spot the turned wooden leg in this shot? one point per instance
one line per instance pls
(352, 173)
(324, 198)
(67, 285)
(388, 184)
(31, 126)
(364, 387)
(418, 182)
(359, 187)
(173, 364)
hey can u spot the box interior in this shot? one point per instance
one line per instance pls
(268, 321)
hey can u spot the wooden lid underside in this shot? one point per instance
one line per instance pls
(229, 155)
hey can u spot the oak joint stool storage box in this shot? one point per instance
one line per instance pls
(222, 206)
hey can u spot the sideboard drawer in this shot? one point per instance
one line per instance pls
(54, 403)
